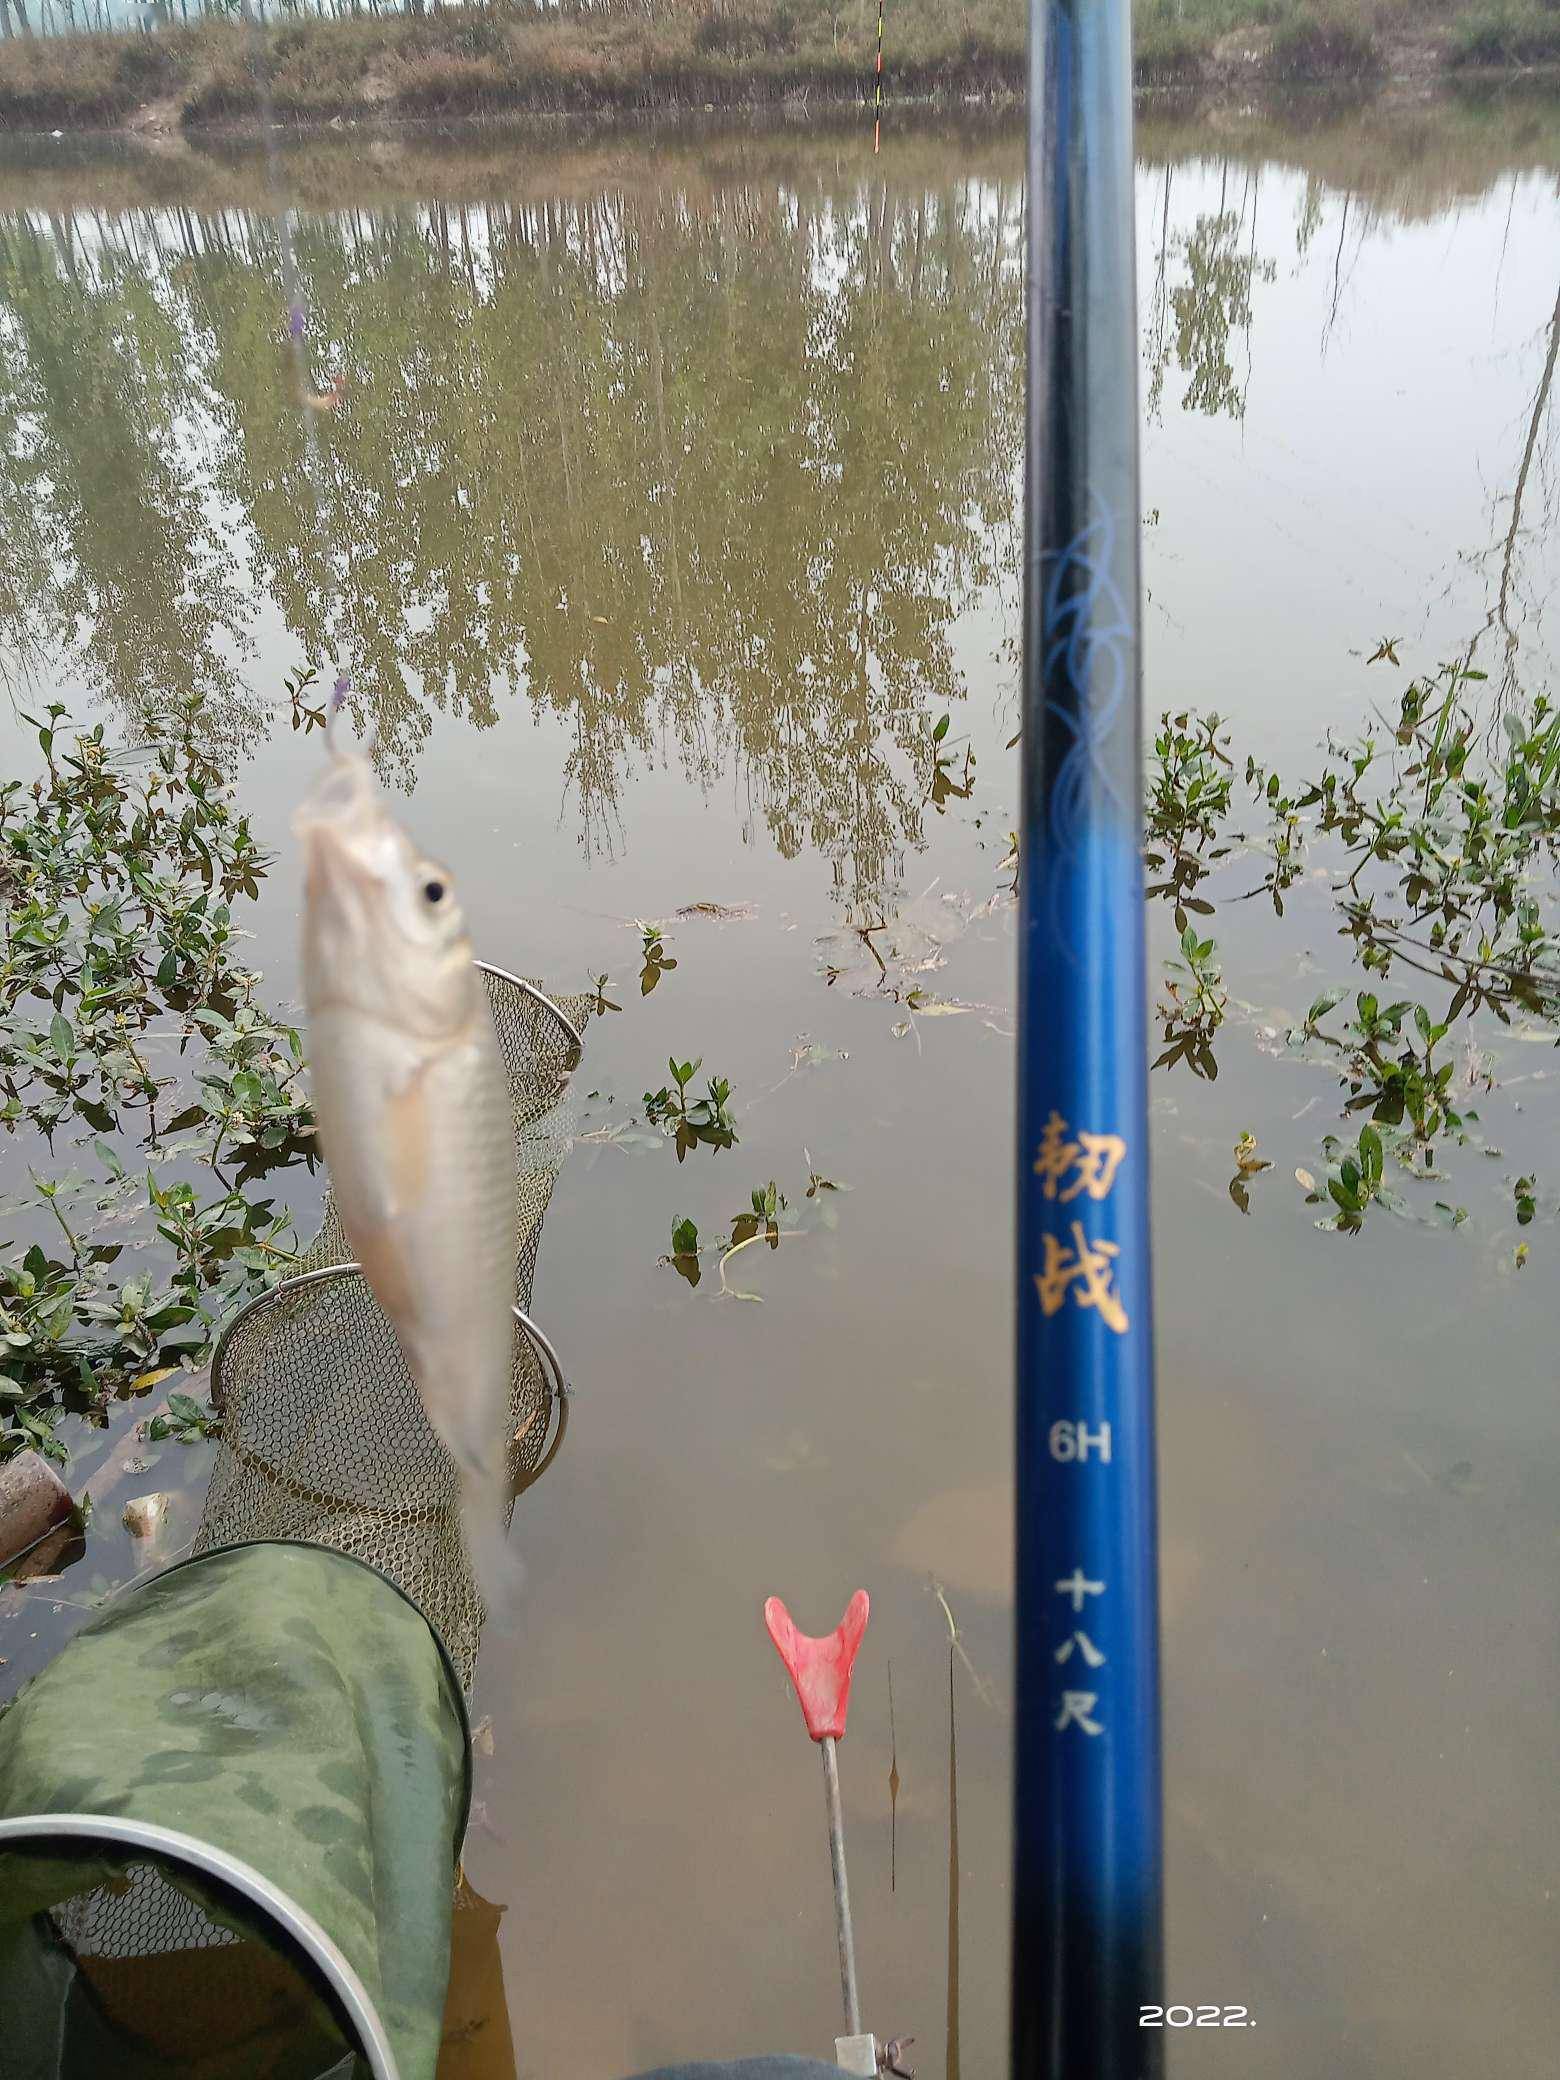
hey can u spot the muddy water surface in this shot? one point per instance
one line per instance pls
(668, 503)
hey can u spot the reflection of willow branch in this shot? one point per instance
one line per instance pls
(1505, 240)
(1380, 931)
(668, 478)
(716, 515)
(1535, 422)
(1159, 343)
(1251, 275)
(1337, 280)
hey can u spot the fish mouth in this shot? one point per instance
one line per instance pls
(345, 794)
(341, 826)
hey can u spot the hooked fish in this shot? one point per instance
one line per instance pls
(414, 1119)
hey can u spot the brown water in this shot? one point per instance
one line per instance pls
(670, 503)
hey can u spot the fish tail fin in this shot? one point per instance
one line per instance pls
(500, 1573)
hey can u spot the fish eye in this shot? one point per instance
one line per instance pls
(433, 891)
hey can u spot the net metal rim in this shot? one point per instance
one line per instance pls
(541, 1343)
(175, 1847)
(576, 1047)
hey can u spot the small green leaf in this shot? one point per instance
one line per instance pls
(1372, 1152)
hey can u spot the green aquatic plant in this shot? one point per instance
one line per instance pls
(128, 1023)
(120, 871)
(1194, 1007)
(707, 1120)
(685, 1250)
(1436, 834)
(768, 1219)
(1188, 801)
(1386, 1054)
(657, 961)
(763, 1218)
(952, 778)
(74, 1336)
(1354, 1179)
(1249, 1164)
(1450, 824)
(186, 1422)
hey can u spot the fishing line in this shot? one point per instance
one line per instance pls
(877, 102)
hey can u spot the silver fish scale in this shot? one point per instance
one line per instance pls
(324, 1437)
(463, 1244)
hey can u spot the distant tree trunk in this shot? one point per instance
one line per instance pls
(6, 30)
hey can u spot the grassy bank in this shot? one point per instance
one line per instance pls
(718, 53)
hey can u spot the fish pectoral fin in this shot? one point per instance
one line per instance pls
(385, 1261)
(386, 1193)
(406, 1145)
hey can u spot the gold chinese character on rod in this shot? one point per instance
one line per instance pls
(1086, 1271)
(1095, 1158)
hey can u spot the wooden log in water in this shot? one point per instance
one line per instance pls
(33, 1502)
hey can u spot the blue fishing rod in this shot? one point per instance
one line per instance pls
(1087, 1940)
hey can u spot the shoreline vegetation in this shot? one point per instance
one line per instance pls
(665, 56)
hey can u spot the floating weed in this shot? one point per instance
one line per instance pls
(1248, 1164)
(599, 1001)
(809, 1054)
(1194, 1010)
(821, 1190)
(1008, 864)
(685, 1250)
(658, 961)
(1381, 1065)
(762, 1221)
(768, 1219)
(1188, 800)
(718, 913)
(952, 779)
(1353, 1180)
(707, 1121)
(186, 1422)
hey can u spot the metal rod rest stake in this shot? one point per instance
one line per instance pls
(842, 1927)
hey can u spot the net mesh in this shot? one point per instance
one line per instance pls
(166, 1976)
(139, 1916)
(323, 1434)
